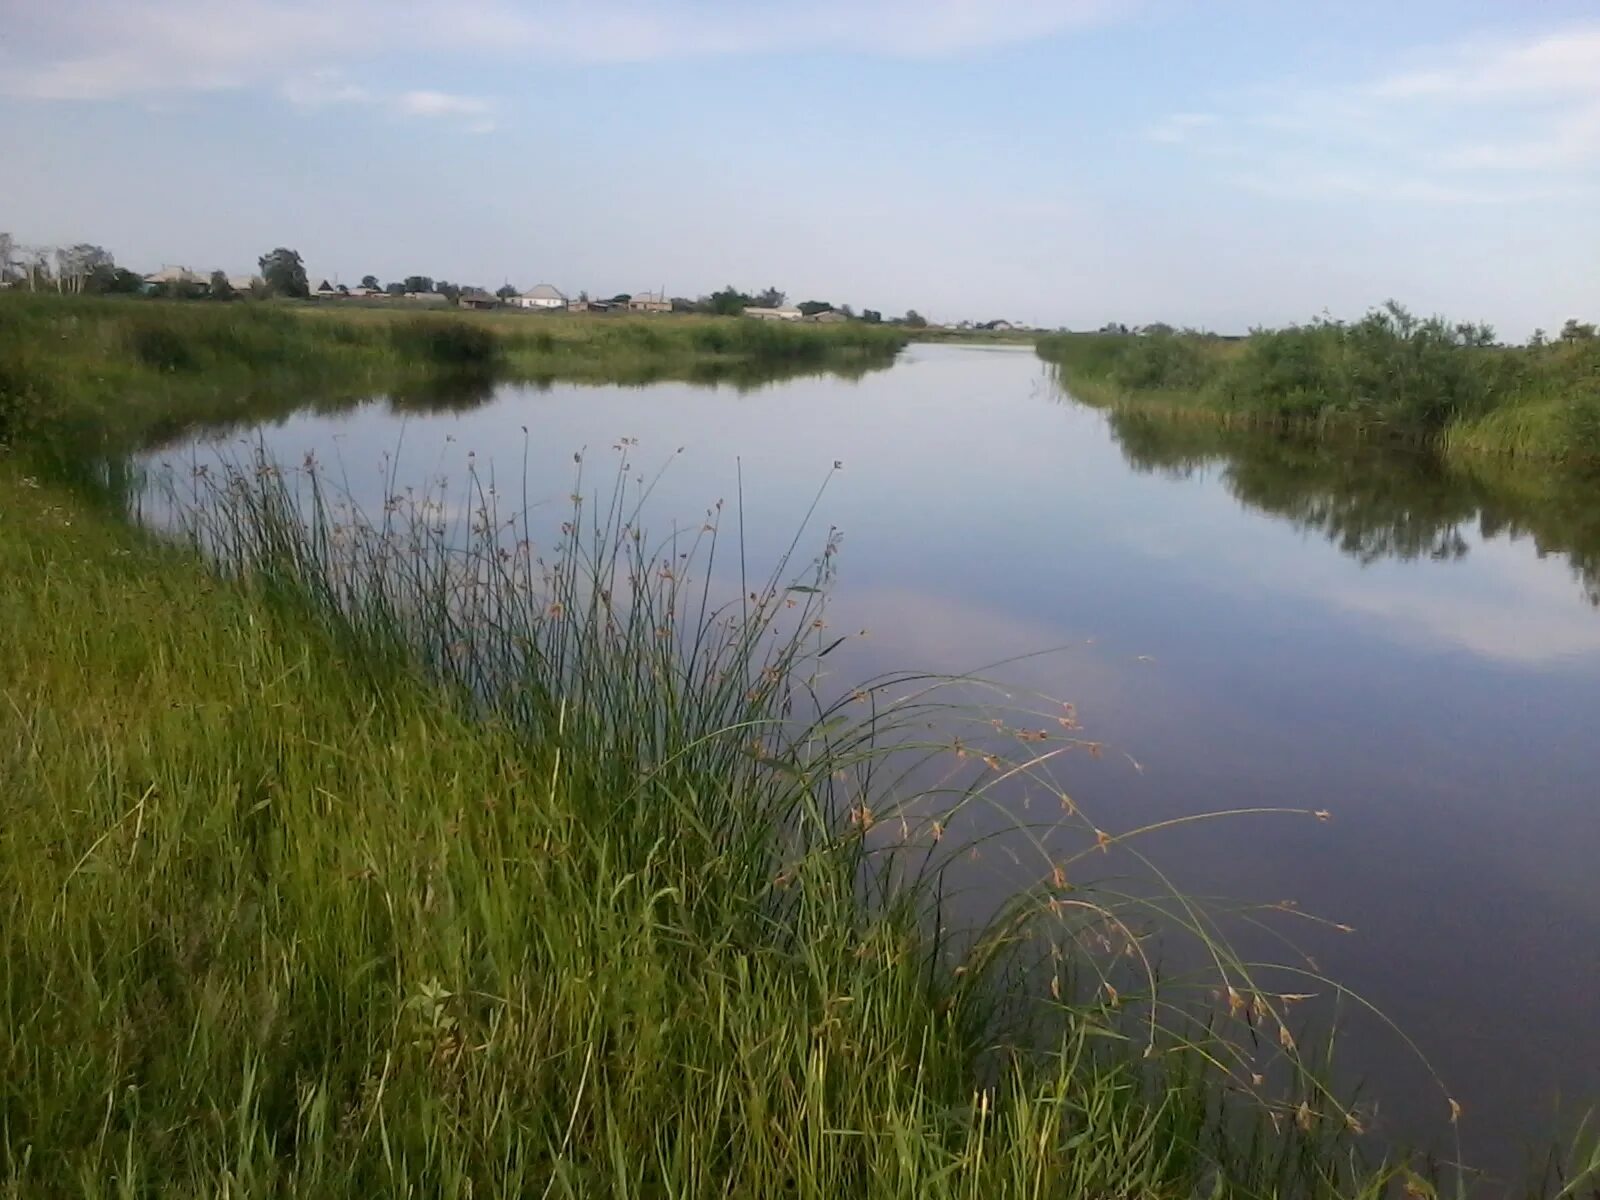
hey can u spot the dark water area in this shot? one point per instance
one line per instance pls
(1243, 623)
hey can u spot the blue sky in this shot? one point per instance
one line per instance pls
(1056, 161)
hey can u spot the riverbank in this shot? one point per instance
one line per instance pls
(127, 372)
(1387, 377)
(378, 863)
(282, 915)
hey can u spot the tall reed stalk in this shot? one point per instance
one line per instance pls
(467, 867)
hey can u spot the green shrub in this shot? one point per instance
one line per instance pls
(447, 341)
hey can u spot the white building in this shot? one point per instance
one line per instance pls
(774, 314)
(171, 275)
(543, 296)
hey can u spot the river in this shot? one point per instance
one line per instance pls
(1240, 622)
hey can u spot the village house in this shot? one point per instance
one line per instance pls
(828, 316)
(175, 276)
(478, 299)
(649, 302)
(542, 296)
(579, 305)
(774, 314)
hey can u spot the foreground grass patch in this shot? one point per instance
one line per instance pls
(282, 911)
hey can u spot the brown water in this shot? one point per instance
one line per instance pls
(1242, 622)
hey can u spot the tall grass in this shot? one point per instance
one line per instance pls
(133, 371)
(1389, 375)
(407, 859)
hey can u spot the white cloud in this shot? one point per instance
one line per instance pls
(1507, 122)
(318, 89)
(1566, 61)
(105, 49)
(440, 104)
(1180, 127)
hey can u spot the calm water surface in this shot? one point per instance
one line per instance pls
(1415, 651)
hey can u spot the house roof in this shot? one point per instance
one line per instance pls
(648, 298)
(176, 275)
(543, 291)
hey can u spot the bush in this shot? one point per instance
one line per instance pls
(448, 342)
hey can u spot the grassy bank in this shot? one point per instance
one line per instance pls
(318, 882)
(1388, 376)
(413, 860)
(135, 371)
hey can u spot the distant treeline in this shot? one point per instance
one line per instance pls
(1389, 374)
(89, 269)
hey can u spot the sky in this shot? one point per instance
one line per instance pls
(1217, 163)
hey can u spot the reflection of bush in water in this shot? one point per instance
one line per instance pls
(451, 391)
(1375, 502)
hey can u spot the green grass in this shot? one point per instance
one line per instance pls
(129, 372)
(363, 868)
(408, 858)
(1388, 376)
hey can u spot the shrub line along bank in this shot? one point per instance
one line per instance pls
(1387, 375)
(136, 369)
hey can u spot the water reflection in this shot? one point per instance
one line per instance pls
(1376, 502)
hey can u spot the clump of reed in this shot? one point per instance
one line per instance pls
(411, 855)
(447, 342)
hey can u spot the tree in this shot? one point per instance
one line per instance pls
(36, 260)
(450, 291)
(76, 264)
(872, 316)
(221, 289)
(812, 307)
(505, 291)
(621, 298)
(914, 320)
(8, 252)
(419, 283)
(370, 282)
(285, 273)
(396, 289)
(729, 302)
(848, 311)
(771, 298)
(115, 281)
(1577, 331)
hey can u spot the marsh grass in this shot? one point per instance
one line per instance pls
(1390, 376)
(401, 855)
(104, 373)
